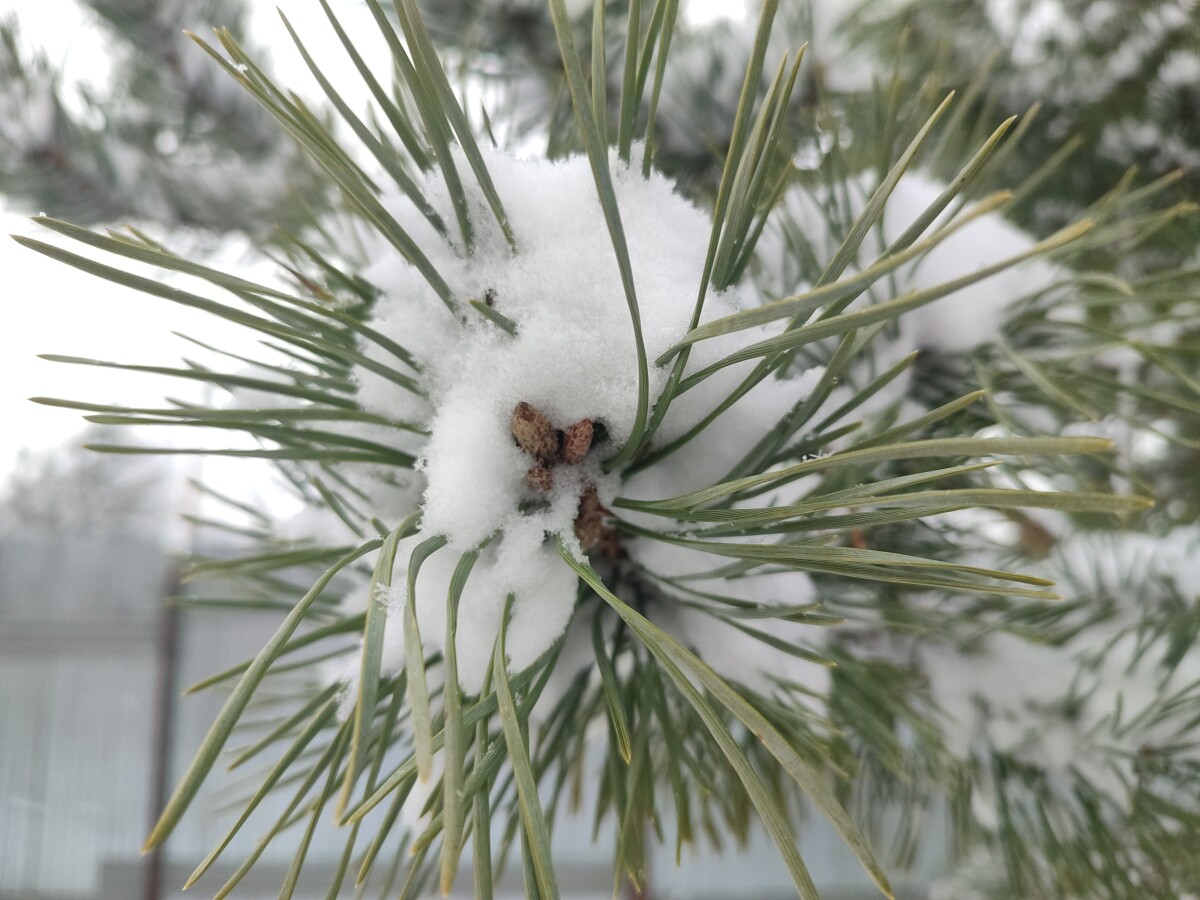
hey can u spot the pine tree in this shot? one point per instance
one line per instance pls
(166, 141)
(832, 495)
(1116, 85)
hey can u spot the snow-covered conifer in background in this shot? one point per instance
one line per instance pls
(1119, 82)
(162, 138)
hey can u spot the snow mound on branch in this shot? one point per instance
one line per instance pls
(573, 355)
(953, 324)
(1088, 708)
(538, 577)
(572, 358)
(808, 227)
(975, 315)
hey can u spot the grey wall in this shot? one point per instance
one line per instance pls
(77, 676)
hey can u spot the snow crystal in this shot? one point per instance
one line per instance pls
(391, 597)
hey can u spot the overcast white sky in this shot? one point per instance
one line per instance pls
(51, 308)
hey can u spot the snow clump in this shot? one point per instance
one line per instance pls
(520, 423)
(1094, 705)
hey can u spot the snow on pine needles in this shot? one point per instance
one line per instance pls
(520, 423)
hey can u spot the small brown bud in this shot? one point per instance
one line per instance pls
(534, 434)
(590, 526)
(610, 545)
(540, 478)
(577, 441)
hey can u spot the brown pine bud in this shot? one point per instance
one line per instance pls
(610, 545)
(540, 478)
(577, 441)
(534, 434)
(591, 528)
